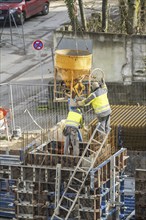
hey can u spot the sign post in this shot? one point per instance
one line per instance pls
(38, 45)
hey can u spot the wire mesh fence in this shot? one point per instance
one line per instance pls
(33, 106)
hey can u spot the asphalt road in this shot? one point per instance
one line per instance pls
(17, 55)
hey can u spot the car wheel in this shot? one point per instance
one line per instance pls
(22, 18)
(45, 10)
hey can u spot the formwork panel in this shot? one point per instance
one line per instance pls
(36, 186)
(52, 160)
(15, 172)
(87, 215)
(28, 173)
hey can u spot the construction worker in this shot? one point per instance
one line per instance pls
(99, 101)
(3, 121)
(71, 131)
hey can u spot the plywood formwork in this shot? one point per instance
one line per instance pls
(52, 153)
(132, 126)
(35, 189)
(128, 129)
(7, 197)
(35, 178)
(27, 140)
(128, 125)
(140, 194)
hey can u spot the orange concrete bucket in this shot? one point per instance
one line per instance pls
(73, 65)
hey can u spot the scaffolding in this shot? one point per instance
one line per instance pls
(37, 186)
(34, 178)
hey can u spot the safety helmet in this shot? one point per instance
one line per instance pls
(95, 85)
(72, 104)
(3, 112)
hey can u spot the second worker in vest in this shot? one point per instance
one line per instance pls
(71, 131)
(99, 101)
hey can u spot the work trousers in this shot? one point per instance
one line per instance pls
(104, 123)
(71, 141)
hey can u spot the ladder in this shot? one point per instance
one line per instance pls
(57, 185)
(76, 189)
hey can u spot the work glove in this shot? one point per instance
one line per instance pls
(79, 98)
(86, 129)
(80, 103)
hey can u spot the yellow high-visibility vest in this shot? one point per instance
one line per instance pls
(74, 119)
(100, 104)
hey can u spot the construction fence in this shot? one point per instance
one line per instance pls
(32, 107)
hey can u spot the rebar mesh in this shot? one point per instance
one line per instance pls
(33, 106)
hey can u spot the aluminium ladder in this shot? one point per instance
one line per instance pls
(79, 168)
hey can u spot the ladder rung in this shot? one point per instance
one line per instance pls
(57, 217)
(101, 131)
(68, 199)
(96, 141)
(64, 208)
(91, 151)
(88, 160)
(77, 179)
(79, 168)
(73, 189)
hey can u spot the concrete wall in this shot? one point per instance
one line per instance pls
(121, 57)
(135, 161)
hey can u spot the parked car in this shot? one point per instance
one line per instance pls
(22, 9)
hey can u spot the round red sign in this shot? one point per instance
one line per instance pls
(38, 45)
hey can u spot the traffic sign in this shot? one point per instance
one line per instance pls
(38, 45)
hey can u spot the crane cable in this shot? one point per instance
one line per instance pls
(26, 110)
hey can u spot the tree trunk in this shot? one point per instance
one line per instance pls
(104, 15)
(123, 12)
(143, 15)
(72, 12)
(83, 19)
(133, 15)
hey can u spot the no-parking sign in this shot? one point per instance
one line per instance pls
(38, 45)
